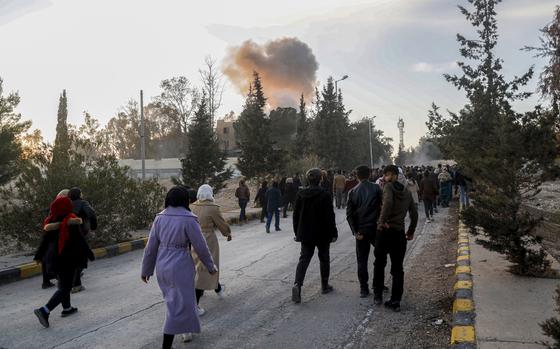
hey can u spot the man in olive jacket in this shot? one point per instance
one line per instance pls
(391, 238)
(314, 226)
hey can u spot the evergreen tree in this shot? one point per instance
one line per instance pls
(11, 128)
(485, 138)
(331, 126)
(204, 162)
(61, 150)
(258, 155)
(302, 141)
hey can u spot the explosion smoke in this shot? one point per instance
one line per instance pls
(287, 67)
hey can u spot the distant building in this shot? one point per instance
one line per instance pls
(226, 135)
(162, 169)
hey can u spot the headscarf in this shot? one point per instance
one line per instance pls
(75, 193)
(205, 193)
(178, 196)
(61, 207)
(63, 192)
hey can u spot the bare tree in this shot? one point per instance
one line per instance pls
(178, 99)
(212, 85)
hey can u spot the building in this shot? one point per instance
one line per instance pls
(226, 134)
(162, 169)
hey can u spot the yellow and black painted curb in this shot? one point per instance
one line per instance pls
(463, 334)
(27, 270)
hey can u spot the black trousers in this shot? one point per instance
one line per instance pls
(390, 242)
(62, 294)
(199, 293)
(47, 277)
(362, 255)
(307, 252)
(77, 277)
(428, 207)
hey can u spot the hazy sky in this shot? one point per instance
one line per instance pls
(103, 52)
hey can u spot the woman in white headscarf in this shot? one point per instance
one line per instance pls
(210, 219)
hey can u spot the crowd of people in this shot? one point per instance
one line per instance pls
(184, 249)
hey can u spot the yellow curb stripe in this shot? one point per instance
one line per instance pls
(145, 241)
(463, 269)
(463, 284)
(463, 248)
(462, 334)
(462, 304)
(463, 241)
(28, 270)
(124, 247)
(99, 252)
(463, 258)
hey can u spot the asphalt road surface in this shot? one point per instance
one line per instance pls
(119, 311)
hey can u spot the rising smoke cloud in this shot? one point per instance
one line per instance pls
(287, 67)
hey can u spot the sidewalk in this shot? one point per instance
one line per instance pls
(509, 308)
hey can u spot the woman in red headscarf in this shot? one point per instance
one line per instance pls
(71, 252)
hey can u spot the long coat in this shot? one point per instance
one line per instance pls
(168, 251)
(210, 218)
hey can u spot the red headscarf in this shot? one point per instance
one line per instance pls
(61, 207)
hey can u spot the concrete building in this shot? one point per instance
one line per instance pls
(162, 169)
(226, 134)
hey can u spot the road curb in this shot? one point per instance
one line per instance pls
(463, 334)
(27, 270)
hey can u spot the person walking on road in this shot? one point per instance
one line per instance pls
(446, 187)
(461, 182)
(71, 253)
(314, 227)
(412, 186)
(362, 213)
(289, 196)
(47, 248)
(210, 218)
(83, 210)
(273, 206)
(261, 199)
(339, 184)
(173, 232)
(243, 194)
(428, 192)
(391, 238)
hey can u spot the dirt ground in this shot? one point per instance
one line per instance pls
(428, 297)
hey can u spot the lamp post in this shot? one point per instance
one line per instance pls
(336, 83)
(370, 126)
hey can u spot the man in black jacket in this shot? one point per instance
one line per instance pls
(391, 238)
(314, 226)
(83, 210)
(362, 212)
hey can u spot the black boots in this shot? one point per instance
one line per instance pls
(393, 305)
(326, 288)
(43, 317)
(296, 294)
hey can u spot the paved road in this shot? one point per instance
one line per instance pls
(118, 311)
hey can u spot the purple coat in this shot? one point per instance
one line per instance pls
(168, 251)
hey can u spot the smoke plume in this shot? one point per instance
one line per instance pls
(287, 67)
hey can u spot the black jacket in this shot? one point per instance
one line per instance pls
(273, 199)
(363, 207)
(261, 197)
(314, 218)
(84, 210)
(397, 202)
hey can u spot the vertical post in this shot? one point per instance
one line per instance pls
(370, 144)
(142, 136)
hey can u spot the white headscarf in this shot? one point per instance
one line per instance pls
(205, 193)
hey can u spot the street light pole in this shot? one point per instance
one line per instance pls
(142, 136)
(370, 125)
(336, 84)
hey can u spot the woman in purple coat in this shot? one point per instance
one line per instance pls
(173, 232)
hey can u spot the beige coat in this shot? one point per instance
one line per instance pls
(210, 218)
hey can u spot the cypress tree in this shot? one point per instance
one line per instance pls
(302, 142)
(204, 162)
(61, 149)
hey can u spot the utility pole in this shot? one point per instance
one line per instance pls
(370, 126)
(142, 136)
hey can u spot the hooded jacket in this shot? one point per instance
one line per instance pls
(397, 202)
(314, 218)
(363, 207)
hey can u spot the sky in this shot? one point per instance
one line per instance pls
(394, 51)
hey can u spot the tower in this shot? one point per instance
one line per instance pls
(400, 125)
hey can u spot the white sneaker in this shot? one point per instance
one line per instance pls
(428, 220)
(221, 293)
(187, 337)
(200, 311)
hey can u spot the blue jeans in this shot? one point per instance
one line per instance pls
(242, 206)
(464, 196)
(276, 219)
